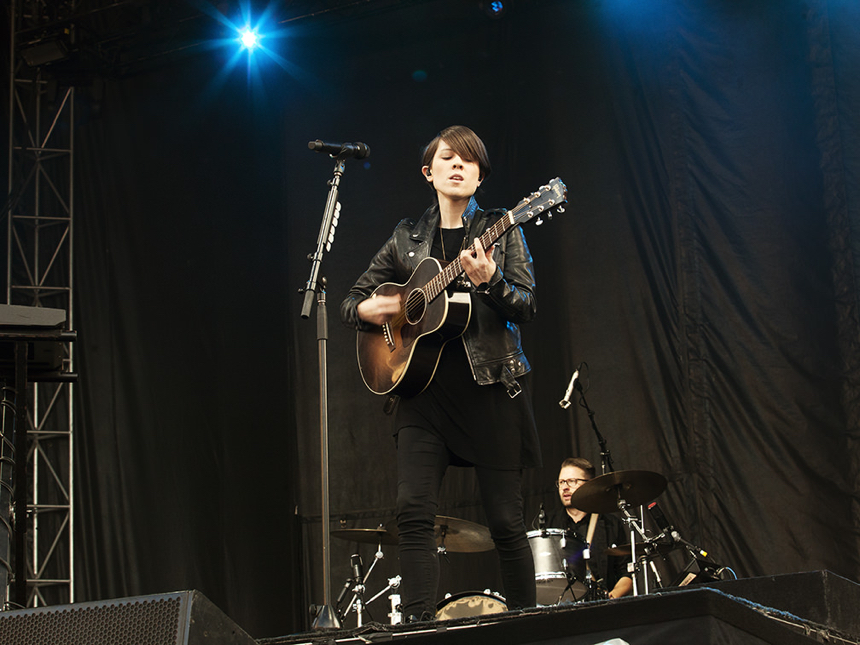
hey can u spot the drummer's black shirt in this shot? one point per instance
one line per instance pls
(609, 532)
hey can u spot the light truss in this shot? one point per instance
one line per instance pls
(39, 273)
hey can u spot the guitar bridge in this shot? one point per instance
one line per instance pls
(389, 337)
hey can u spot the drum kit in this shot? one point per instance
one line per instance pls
(453, 535)
(561, 560)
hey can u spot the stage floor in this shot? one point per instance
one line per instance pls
(791, 609)
(802, 608)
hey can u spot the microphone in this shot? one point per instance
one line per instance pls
(541, 518)
(341, 150)
(357, 568)
(670, 530)
(574, 383)
(662, 522)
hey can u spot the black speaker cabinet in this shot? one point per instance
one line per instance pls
(180, 618)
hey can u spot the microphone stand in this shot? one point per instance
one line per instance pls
(605, 456)
(326, 616)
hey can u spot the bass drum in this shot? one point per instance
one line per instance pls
(469, 604)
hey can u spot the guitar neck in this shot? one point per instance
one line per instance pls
(451, 272)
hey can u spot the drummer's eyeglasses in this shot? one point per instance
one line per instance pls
(570, 483)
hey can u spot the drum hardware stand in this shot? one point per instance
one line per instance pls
(357, 584)
(393, 584)
(633, 522)
(697, 553)
(395, 616)
(647, 561)
(571, 578)
(442, 550)
(592, 585)
(592, 589)
(359, 604)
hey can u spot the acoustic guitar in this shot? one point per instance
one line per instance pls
(401, 356)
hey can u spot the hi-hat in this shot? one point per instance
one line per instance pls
(456, 535)
(602, 494)
(370, 536)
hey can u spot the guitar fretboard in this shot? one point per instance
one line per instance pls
(451, 272)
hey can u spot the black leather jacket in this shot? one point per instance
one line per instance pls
(492, 339)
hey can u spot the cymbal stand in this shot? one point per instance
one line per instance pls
(442, 550)
(635, 526)
(359, 604)
(656, 573)
(646, 562)
(359, 579)
(393, 584)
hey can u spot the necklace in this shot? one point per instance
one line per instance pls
(442, 241)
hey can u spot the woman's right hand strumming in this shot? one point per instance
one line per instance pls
(379, 309)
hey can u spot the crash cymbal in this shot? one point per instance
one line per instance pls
(456, 535)
(657, 548)
(601, 494)
(370, 536)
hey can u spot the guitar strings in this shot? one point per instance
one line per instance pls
(450, 273)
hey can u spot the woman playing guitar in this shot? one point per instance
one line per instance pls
(476, 410)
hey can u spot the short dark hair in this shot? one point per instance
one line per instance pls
(465, 143)
(579, 462)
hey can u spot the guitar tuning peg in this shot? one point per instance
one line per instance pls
(560, 209)
(538, 221)
(549, 215)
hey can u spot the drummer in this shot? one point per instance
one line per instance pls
(607, 532)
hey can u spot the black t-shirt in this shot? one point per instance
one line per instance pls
(480, 424)
(610, 531)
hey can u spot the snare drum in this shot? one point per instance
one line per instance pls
(469, 604)
(558, 558)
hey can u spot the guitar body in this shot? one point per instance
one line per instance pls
(401, 356)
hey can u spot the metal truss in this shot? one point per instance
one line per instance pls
(39, 273)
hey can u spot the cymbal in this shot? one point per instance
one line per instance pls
(658, 548)
(456, 535)
(370, 536)
(601, 494)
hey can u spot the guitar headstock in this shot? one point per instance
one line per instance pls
(544, 201)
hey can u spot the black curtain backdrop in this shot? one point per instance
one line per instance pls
(706, 270)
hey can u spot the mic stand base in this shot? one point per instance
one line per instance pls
(326, 618)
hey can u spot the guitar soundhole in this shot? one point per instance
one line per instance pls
(416, 305)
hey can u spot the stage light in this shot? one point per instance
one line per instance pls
(44, 51)
(249, 38)
(494, 9)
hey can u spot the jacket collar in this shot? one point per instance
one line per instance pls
(425, 227)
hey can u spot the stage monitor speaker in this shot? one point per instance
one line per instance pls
(699, 571)
(180, 618)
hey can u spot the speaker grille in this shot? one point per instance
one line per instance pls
(136, 622)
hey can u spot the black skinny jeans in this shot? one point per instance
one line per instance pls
(422, 459)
